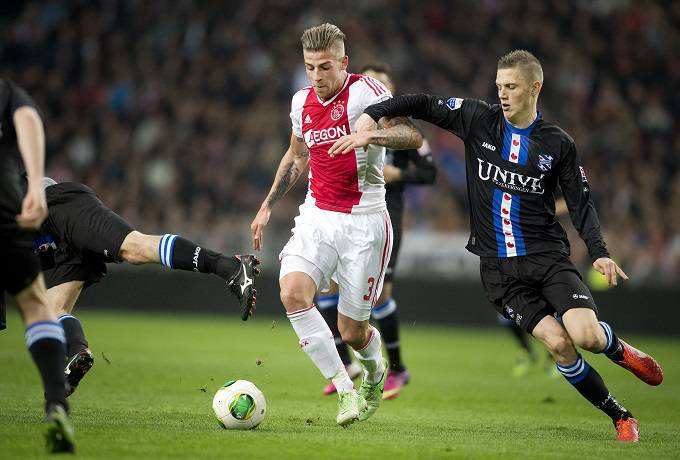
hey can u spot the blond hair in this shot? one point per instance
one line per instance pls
(323, 38)
(527, 63)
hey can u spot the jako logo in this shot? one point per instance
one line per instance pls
(196, 253)
(486, 145)
(509, 179)
(323, 136)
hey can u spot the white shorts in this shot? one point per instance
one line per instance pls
(353, 249)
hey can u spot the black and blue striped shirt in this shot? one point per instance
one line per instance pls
(512, 176)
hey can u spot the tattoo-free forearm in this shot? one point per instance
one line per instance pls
(291, 167)
(397, 133)
(31, 141)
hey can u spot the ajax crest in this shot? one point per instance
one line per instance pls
(337, 111)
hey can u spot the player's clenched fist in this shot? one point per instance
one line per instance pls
(34, 206)
(257, 227)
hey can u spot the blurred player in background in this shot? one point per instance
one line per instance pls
(343, 228)
(81, 235)
(22, 137)
(402, 168)
(514, 162)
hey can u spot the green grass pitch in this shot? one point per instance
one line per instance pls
(150, 392)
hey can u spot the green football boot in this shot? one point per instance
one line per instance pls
(372, 393)
(350, 405)
(58, 430)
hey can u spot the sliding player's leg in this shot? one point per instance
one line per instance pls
(176, 252)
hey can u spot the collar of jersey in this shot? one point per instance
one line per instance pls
(344, 85)
(522, 131)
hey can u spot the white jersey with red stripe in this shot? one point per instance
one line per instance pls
(351, 183)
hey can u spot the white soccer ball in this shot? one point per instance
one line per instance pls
(239, 405)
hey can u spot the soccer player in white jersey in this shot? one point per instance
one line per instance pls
(343, 229)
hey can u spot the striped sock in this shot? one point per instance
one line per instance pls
(45, 341)
(388, 322)
(183, 254)
(166, 248)
(576, 371)
(75, 336)
(589, 383)
(613, 349)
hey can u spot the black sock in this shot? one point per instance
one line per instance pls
(45, 341)
(613, 349)
(328, 306)
(589, 383)
(182, 254)
(75, 336)
(522, 337)
(388, 321)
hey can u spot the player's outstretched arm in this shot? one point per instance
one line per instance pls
(396, 133)
(292, 165)
(31, 140)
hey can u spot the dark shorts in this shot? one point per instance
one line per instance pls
(527, 289)
(18, 265)
(87, 233)
(396, 218)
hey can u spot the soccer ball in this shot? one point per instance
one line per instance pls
(239, 405)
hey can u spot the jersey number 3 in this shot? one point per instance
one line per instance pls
(371, 282)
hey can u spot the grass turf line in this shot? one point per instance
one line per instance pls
(153, 399)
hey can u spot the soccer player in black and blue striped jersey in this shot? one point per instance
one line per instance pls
(81, 235)
(22, 210)
(514, 162)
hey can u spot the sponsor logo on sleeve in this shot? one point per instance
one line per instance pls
(583, 174)
(454, 103)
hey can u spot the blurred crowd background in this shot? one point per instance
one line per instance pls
(176, 112)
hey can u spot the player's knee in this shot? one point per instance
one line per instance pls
(293, 298)
(560, 345)
(353, 334)
(33, 305)
(131, 251)
(589, 337)
(352, 337)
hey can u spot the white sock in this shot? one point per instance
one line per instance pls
(316, 339)
(371, 358)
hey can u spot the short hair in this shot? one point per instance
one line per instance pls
(527, 62)
(377, 67)
(322, 38)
